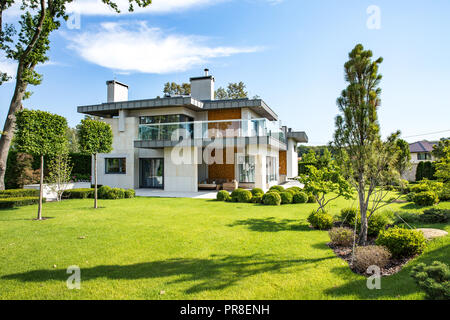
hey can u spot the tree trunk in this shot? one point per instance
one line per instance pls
(362, 240)
(41, 191)
(95, 181)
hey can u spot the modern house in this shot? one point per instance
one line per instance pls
(183, 143)
(420, 151)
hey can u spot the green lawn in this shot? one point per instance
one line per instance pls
(190, 249)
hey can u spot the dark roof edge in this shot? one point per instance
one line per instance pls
(202, 78)
(115, 81)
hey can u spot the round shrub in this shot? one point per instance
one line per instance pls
(300, 197)
(256, 191)
(130, 193)
(402, 242)
(222, 195)
(341, 236)
(371, 256)
(376, 223)
(348, 215)
(426, 198)
(116, 193)
(272, 199)
(311, 198)
(244, 196)
(320, 220)
(257, 198)
(434, 279)
(294, 189)
(278, 189)
(435, 215)
(235, 194)
(410, 197)
(286, 197)
(103, 192)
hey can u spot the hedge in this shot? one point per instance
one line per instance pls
(79, 193)
(7, 203)
(18, 193)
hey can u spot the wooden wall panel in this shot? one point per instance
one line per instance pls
(224, 114)
(222, 171)
(283, 163)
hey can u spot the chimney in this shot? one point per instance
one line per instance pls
(202, 88)
(117, 91)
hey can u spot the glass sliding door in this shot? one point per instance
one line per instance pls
(151, 173)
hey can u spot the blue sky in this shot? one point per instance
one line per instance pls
(289, 52)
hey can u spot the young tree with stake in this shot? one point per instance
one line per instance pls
(40, 133)
(95, 137)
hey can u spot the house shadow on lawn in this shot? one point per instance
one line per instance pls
(271, 225)
(214, 273)
(396, 286)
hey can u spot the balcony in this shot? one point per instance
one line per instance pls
(201, 133)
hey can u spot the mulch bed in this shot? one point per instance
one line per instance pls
(345, 253)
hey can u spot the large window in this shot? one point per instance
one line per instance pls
(115, 165)
(246, 169)
(271, 169)
(423, 156)
(164, 126)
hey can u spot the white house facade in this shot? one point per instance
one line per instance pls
(184, 143)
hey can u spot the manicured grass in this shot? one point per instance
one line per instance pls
(190, 249)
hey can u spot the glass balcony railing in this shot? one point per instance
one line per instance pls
(211, 129)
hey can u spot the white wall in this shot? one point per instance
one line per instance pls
(181, 177)
(202, 89)
(292, 159)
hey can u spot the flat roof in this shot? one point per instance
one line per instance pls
(112, 108)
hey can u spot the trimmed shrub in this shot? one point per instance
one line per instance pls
(402, 242)
(6, 203)
(341, 236)
(433, 279)
(300, 197)
(286, 197)
(103, 191)
(311, 198)
(445, 193)
(17, 193)
(79, 193)
(377, 222)
(348, 215)
(435, 216)
(130, 193)
(116, 193)
(256, 191)
(408, 217)
(294, 189)
(235, 194)
(244, 196)
(426, 198)
(320, 220)
(257, 198)
(371, 256)
(278, 189)
(222, 195)
(272, 199)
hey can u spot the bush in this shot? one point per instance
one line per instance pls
(348, 215)
(271, 199)
(130, 193)
(286, 197)
(408, 217)
(311, 198)
(433, 279)
(103, 191)
(79, 193)
(371, 256)
(116, 193)
(444, 195)
(278, 189)
(320, 220)
(17, 193)
(222, 195)
(257, 198)
(410, 197)
(256, 191)
(377, 222)
(6, 203)
(341, 236)
(402, 242)
(244, 196)
(435, 216)
(294, 190)
(426, 198)
(235, 194)
(300, 197)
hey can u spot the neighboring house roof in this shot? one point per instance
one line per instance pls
(257, 105)
(421, 146)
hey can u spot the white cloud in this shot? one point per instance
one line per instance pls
(97, 7)
(9, 67)
(136, 47)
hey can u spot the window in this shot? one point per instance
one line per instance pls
(271, 169)
(423, 156)
(165, 126)
(115, 165)
(246, 169)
